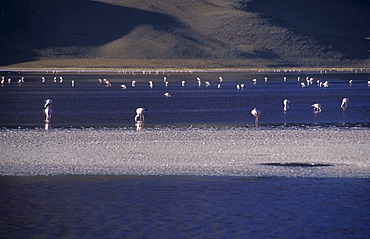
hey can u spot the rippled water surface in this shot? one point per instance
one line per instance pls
(184, 207)
(90, 103)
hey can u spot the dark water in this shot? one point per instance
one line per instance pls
(183, 207)
(92, 104)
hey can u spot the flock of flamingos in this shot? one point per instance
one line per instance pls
(139, 118)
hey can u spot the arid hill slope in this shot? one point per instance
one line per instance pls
(175, 33)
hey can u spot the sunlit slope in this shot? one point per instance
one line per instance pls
(174, 33)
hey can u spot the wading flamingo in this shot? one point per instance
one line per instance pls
(256, 113)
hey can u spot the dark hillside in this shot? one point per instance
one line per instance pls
(176, 33)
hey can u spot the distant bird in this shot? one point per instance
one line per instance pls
(207, 83)
(256, 113)
(265, 78)
(167, 95)
(123, 87)
(107, 83)
(133, 83)
(2, 80)
(166, 83)
(218, 86)
(100, 81)
(73, 83)
(43, 79)
(368, 83)
(48, 111)
(60, 79)
(21, 80)
(284, 78)
(326, 84)
(199, 81)
(316, 107)
(303, 84)
(286, 104)
(55, 79)
(350, 82)
(9, 80)
(151, 84)
(139, 118)
(220, 79)
(254, 81)
(183, 83)
(238, 87)
(344, 104)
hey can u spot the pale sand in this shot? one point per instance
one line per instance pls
(313, 152)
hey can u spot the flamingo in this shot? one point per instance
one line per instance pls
(256, 113)
(316, 107)
(139, 118)
(286, 104)
(48, 111)
(344, 104)
(199, 81)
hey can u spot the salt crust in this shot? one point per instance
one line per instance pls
(288, 152)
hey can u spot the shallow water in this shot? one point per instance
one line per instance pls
(89, 103)
(184, 207)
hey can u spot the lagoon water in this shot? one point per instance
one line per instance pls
(198, 168)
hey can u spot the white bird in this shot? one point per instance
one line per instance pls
(207, 83)
(286, 104)
(316, 107)
(265, 78)
(2, 80)
(43, 79)
(133, 83)
(21, 80)
(48, 111)
(73, 83)
(254, 81)
(220, 79)
(199, 81)
(238, 87)
(60, 79)
(139, 118)
(107, 83)
(344, 104)
(256, 113)
(166, 83)
(9, 80)
(123, 87)
(284, 78)
(303, 84)
(368, 83)
(241, 86)
(100, 81)
(350, 82)
(167, 94)
(218, 86)
(55, 79)
(326, 84)
(183, 83)
(151, 84)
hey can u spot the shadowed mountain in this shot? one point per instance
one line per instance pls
(176, 33)
(340, 24)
